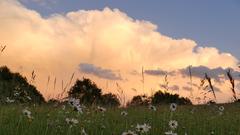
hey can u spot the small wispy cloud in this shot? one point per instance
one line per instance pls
(216, 73)
(174, 88)
(99, 71)
(187, 88)
(157, 72)
(43, 3)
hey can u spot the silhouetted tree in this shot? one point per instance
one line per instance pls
(87, 91)
(16, 87)
(110, 100)
(164, 98)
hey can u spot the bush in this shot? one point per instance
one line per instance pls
(15, 87)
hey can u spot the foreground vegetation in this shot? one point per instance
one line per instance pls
(87, 111)
(54, 120)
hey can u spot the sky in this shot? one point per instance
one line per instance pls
(113, 43)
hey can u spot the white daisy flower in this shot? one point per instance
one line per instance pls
(124, 113)
(143, 128)
(73, 102)
(173, 124)
(27, 113)
(16, 94)
(173, 107)
(151, 107)
(68, 120)
(79, 109)
(129, 132)
(8, 100)
(221, 108)
(83, 132)
(71, 121)
(101, 109)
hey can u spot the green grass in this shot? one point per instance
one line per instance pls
(49, 120)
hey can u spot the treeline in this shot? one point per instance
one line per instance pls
(15, 88)
(159, 98)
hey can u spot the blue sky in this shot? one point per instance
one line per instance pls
(209, 23)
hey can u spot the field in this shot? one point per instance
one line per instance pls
(56, 120)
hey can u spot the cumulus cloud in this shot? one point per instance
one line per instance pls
(109, 38)
(99, 72)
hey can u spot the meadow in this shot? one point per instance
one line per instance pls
(154, 120)
(88, 111)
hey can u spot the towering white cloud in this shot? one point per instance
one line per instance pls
(108, 38)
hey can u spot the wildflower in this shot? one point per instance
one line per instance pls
(16, 94)
(75, 104)
(8, 100)
(173, 124)
(124, 113)
(221, 108)
(27, 113)
(83, 132)
(151, 107)
(129, 132)
(78, 108)
(143, 128)
(101, 109)
(173, 107)
(71, 121)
